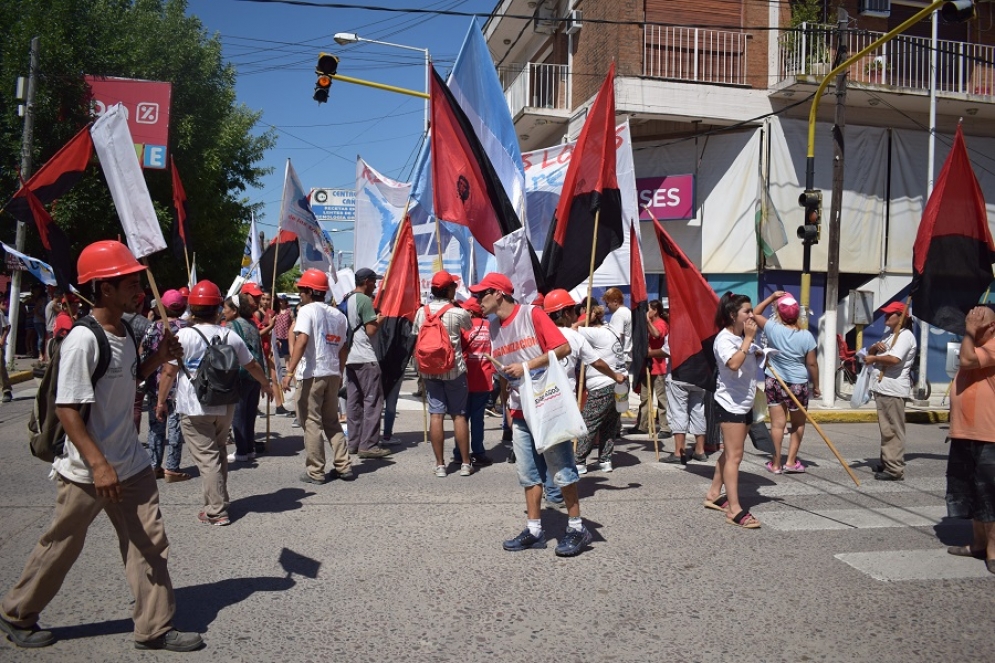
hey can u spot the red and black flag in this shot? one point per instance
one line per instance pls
(692, 315)
(398, 299)
(953, 254)
(181, 226)
(56, 177)
(640, 305)
(284, 250)
(465, 187)
(55, 241)
(590, 189)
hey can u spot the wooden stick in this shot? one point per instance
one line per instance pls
(162, 313)
(817, 427)
(651, 426)
(186, 256)
(587, 315)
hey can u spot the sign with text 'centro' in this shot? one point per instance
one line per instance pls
(146, 105)
(334, 204)
(670, 198)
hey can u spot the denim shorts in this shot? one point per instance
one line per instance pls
(971, 480)
(447, 396)
(533, 467)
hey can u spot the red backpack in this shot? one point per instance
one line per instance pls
(434, 353)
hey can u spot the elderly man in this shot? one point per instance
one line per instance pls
(971, 466)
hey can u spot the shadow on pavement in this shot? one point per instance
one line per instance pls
(954, 531)
(285, 499)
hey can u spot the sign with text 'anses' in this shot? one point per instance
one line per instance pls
(147, 106)
(670, 197)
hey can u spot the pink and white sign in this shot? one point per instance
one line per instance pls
(670, 198)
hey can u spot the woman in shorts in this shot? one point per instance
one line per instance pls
(796, 364)
(736, 357)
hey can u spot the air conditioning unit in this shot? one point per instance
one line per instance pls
(574, 22)
(876, 8)
(544, 20)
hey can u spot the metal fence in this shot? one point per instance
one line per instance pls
(694, 54)
(535, 85)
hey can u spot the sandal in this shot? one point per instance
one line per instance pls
(744, 519)
(718, 504)
(773, 470)
(966, 551)
(797, 468)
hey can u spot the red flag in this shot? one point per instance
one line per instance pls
(399, 295)
(590, 186)
(181, 238)
(286, 252)
(56, 177)
(952, 256)
(465, 187)
(54, 239)
(640, 303)
(692, 314)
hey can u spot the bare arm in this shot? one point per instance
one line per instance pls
(296, 354)
(812, 364)
(542, 361)
(736, 361)
(968, 348)
(105, 479)
(166, 380)
(605, 369)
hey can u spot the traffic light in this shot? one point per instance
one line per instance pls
(957, 11)
(811, 231)
(327, 65)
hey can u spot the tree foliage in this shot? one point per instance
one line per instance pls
(213, 139)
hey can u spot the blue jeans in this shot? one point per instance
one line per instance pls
(390, 410)
(533, 468)
(475, 405)
(165, 436)
(243, 426)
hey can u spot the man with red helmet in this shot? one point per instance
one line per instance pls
(316, 359)
(103, 466)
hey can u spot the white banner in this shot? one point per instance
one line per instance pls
(116, 149)
(297, 217)
(40, 270)
(515, 262)
(380, 205)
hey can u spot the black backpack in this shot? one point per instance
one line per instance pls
(46, 436)
(216, 382)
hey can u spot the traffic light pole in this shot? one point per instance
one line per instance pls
(380, 86)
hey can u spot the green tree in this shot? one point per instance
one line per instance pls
(214, 140)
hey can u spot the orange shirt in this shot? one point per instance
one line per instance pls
(972, 399)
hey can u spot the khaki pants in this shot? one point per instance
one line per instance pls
(318, 412)
(142, 541)
(891, 421)
(4, 375)
(206, 437)
(660, 405)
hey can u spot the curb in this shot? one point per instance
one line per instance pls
(871, 416)
(21, 376)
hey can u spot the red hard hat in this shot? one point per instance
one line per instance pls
(557, 300)
(314, 279)
(106, 259)
(205, 293)
(185, 291)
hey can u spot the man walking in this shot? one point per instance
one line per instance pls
(103, 467)
(524, 334)
(318, 353)
(446, 386)
(364, 392)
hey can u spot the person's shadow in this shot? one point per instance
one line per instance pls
(198, 606)
(284, 499)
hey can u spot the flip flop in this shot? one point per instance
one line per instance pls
(966, 551)
(744, 519)
(718, 504)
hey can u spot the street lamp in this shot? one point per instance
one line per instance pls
(344, 38)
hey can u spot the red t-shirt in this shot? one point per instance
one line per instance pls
(476, 345)
(659, 364)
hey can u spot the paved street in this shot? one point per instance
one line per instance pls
(403, 566)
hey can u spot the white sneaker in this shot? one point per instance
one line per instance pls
(440, 471)
(233, 457)
(464, 470)
(606, 466)
(582, 469)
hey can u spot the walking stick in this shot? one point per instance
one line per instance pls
(817, 427)
(651, 426)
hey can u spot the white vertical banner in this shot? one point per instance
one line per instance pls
(514, 261)
(116, 149)
(380, 203)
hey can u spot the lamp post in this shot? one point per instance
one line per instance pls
(344, 38)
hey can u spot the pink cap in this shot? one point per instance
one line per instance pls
(787, 308)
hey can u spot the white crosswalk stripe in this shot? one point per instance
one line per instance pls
(786, 518)
(933, 564)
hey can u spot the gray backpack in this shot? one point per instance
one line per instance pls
(216, 382)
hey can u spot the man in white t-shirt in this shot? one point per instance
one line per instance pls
(103, 467)
(317, 356)
(8, 390)
(621, 321)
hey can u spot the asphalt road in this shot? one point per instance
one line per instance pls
(403, 566)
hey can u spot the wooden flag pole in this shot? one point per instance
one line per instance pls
(815, 424)
(162, 311)
(651, 426)
(186, 257)
(587, 315)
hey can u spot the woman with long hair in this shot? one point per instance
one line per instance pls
(736, 356)
(796, 364)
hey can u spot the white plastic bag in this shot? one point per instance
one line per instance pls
(549, 406)
(862, 387)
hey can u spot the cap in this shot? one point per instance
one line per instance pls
(494, 281)
(251, 289)
(893, 307)
(173, 299)
(539, 300)
(788, 309)
(442, 279)
(473, 306)
(364, 274)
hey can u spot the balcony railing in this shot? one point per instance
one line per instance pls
(694, 54)
(535, 85)
(902, 62)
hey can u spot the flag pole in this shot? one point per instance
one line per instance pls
(438, 240)
(651, 426)
(587, 315)
(186, 256)
(162, 311)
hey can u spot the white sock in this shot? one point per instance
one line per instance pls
(535, 527)
(575, 523)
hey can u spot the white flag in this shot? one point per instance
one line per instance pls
(514, 260)
(193, 272)
(297, 217)
(116, 149)
(250, 256)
